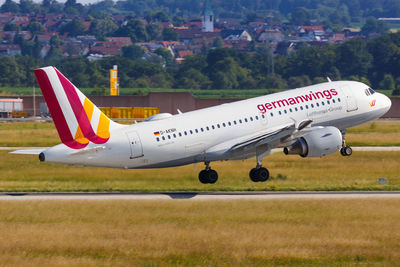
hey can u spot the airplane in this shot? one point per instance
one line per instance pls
(309, 121)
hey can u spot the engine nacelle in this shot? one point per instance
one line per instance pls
(321, 141)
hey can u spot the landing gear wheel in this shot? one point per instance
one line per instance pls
(203, 177)
(208, 176)
(346, 151)
(259, 174)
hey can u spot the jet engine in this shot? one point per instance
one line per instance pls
(321, 141)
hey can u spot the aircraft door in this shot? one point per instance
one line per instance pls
(351, 101)
(135, 144)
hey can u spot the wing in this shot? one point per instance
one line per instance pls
(263, 142)
(29, 151)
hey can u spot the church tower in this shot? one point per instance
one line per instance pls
(208, 17)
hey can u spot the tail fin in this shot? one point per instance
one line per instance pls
(77, 119)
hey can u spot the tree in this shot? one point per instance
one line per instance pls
(169, 35)
(35, 27)
(102, 28)
(73, 28)
(218, 42)
(135, 29)
(155, 31)
(373, 25)
(387, 83)
(354, 58)
(28, 6)
(133, 52)
(300, 16)
(10, 6)
(165, 54)
(11, 27)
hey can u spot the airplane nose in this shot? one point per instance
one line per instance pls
(387, 102)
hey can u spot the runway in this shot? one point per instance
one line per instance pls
(200, 196)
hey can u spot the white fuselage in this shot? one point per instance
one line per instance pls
(206, 134)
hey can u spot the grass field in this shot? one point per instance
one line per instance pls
(200, 233)
(43, 134)
(361, 171)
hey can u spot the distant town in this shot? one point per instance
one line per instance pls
(257, 52)
(78, 36)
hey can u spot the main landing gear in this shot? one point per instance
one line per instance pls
(208, 176)
(345, 150)
(259, 173)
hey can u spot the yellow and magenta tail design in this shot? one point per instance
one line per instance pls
(77, 119)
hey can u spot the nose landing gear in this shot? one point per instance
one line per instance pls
(208, 176)
(345, 150)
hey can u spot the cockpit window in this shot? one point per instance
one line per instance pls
(367, 92)
(371, 91)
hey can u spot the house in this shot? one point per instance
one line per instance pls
(151, 46)
(271, 35)
(44, 39)
(236, 35)
(10, 49)
(121, 41)
(337, 38)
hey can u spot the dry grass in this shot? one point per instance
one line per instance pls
(195, 233)
(358, 172)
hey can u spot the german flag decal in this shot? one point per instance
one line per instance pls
(156, 133)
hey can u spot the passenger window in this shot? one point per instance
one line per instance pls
(223, 124)
(163, 138)
(251, 118)
(218, 126)
(207, 128)
(296, 109)
(290, 110)
(272, 114)
(201, 129)
(158, 139)
(328, 102)
(213, 127)
(196, 130)
(256, 117)
(245, 120)
(185, 133)
(317, 104)
(323, 103)
(338, 99)
(333, 100)
(306, 106)
(263, 116)
(240, 121)
(169, 137)
(234, 122)
(174, 135)
(280, 113)
(285, 111)
(191, 132)
(229, 123)
(312, 105)
(301, 107)
(180, 134)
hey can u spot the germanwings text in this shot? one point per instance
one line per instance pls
(327, 94)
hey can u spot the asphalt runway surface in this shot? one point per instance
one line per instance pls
(201, 196)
